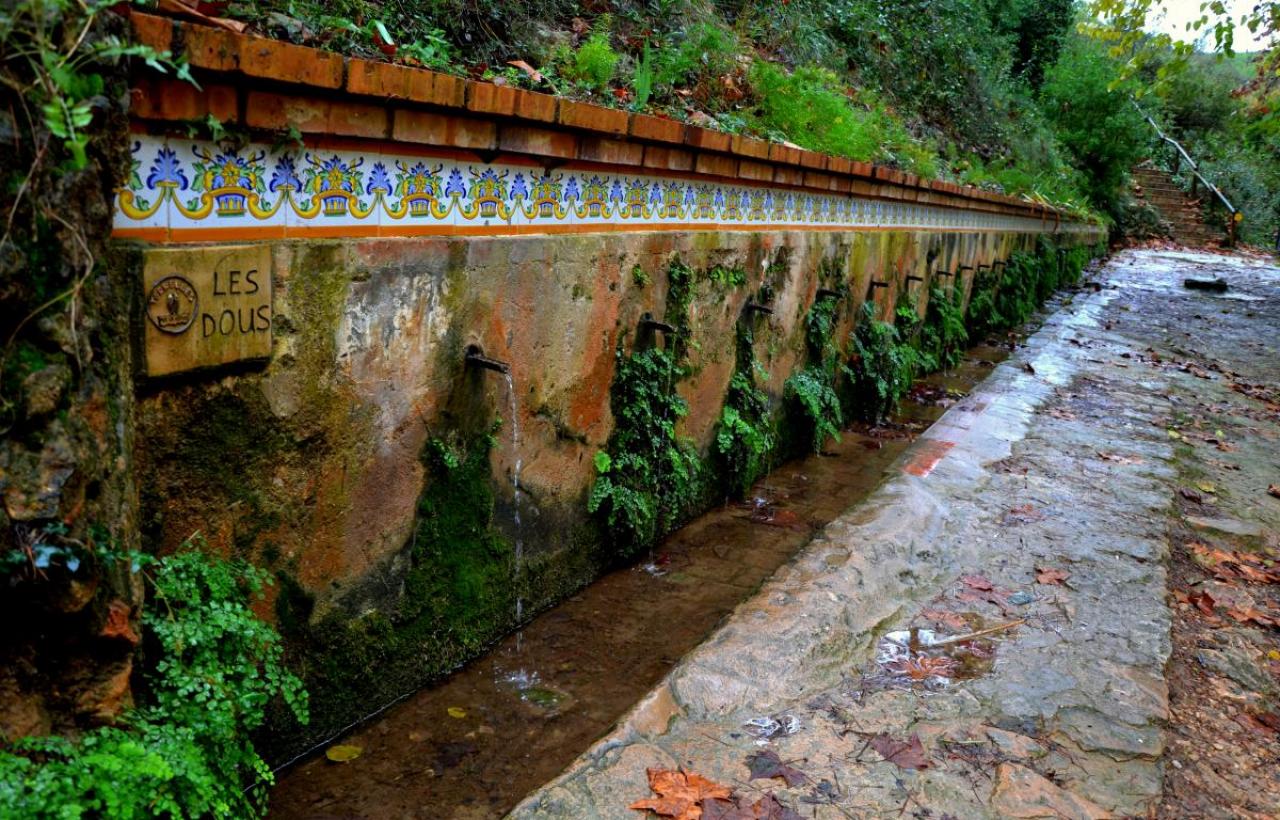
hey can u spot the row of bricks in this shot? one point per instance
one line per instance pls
(218, 50)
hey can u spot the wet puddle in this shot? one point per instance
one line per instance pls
(923, 657)
(473, 745)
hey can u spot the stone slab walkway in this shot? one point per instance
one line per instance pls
(1039, 508)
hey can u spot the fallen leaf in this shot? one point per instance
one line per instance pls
(343, 752)
(1233, 566)
(1273, 490)
(977, 582)
(1207, 487)
(905, 754)
(1248, 614)
(1050, 576)
(1023, 514)
(775, 517)
(534, 74)
(1119, 459)
(680, 794)
(923, 667)
(940, 616)
(766, 808)
(1202, 601)
(457, 712)
(1251, 723)
(766, 764)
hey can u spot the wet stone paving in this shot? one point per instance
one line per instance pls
(988, 634)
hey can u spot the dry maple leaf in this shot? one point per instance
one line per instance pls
(905, 754)
(680, 794)
(1050, 576)
(766, 764)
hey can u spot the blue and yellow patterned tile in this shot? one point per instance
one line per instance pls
(219, 192)
(142, 203)
(340, 192)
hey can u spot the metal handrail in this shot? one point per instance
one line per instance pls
(1195, 169)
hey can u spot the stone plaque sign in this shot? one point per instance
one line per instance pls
(206, 306)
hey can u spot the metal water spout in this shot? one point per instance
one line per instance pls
(474, 357)
(913, 278)
(826, 293)
(756, 307)
(649, 323)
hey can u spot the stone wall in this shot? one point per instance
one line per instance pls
(350, 450)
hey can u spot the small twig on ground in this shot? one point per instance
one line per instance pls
(979, 634)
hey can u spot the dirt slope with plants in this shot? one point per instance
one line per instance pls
(976, 91)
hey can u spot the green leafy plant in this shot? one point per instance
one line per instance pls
(49, 60)
(646, 473)
(813, 388)
(882, 365)
(595, 61)
(642, 80)
(745, 439)
(727, 277)
(943, 335)
(431, 49)
(186, 751)
(811, 108)
(696, 59)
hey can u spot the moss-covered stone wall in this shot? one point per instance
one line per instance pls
(373, 472)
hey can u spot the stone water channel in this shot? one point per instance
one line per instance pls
(476, 743)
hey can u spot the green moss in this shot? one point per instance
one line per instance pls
(457, 597)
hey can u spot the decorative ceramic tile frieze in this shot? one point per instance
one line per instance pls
(190, 190)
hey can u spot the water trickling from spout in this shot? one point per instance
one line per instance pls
(515, 496)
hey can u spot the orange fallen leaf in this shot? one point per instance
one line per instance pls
(534, 74)
(1050, 576)
(1202, 601)
(1247, 614)
(1273, 490)
(940, 616)
(680, 794)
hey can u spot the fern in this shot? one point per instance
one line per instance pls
(943, 335)
(882, 365)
